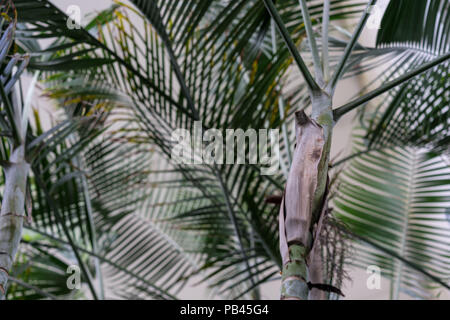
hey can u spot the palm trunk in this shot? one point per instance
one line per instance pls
(315, 271)
(303, 198)
(12, 212)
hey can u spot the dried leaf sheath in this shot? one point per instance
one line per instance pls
(296, 212)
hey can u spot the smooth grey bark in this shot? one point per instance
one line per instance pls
(12, 212)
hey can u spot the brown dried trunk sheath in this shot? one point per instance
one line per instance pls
(296, 212)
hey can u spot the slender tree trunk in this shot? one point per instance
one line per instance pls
(12, 212)
(315, 265)
(304, 199)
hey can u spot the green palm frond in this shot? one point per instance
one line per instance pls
(120, 186)
(43, 269)
(116, 184)
(397, 198)
(418, 111)
(146, 71)
(204, 60)
(415, 113)
(64, 204)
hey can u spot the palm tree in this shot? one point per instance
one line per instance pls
(29, 155)
(147, 226)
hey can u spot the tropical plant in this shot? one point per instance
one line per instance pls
(107, 197)
(34, 163)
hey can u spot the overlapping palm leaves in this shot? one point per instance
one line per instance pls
(167, 71)
(408, 184)
(17, 111)
(72, 192)
(415, 112)
(418, 111)
(397, 198)
(158, 66)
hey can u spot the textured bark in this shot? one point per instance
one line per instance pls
(12, 213)
(296, 212)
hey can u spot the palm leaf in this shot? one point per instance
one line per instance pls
(208, 56)
(41, 272)
(397, 198)
(415, 113)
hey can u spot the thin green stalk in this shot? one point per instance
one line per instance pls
(325, 29)
(339, 112)
(281, 106)
(349, 48)
(312, 41)
(312, 85)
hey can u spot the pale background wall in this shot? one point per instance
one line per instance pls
(354, 289)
